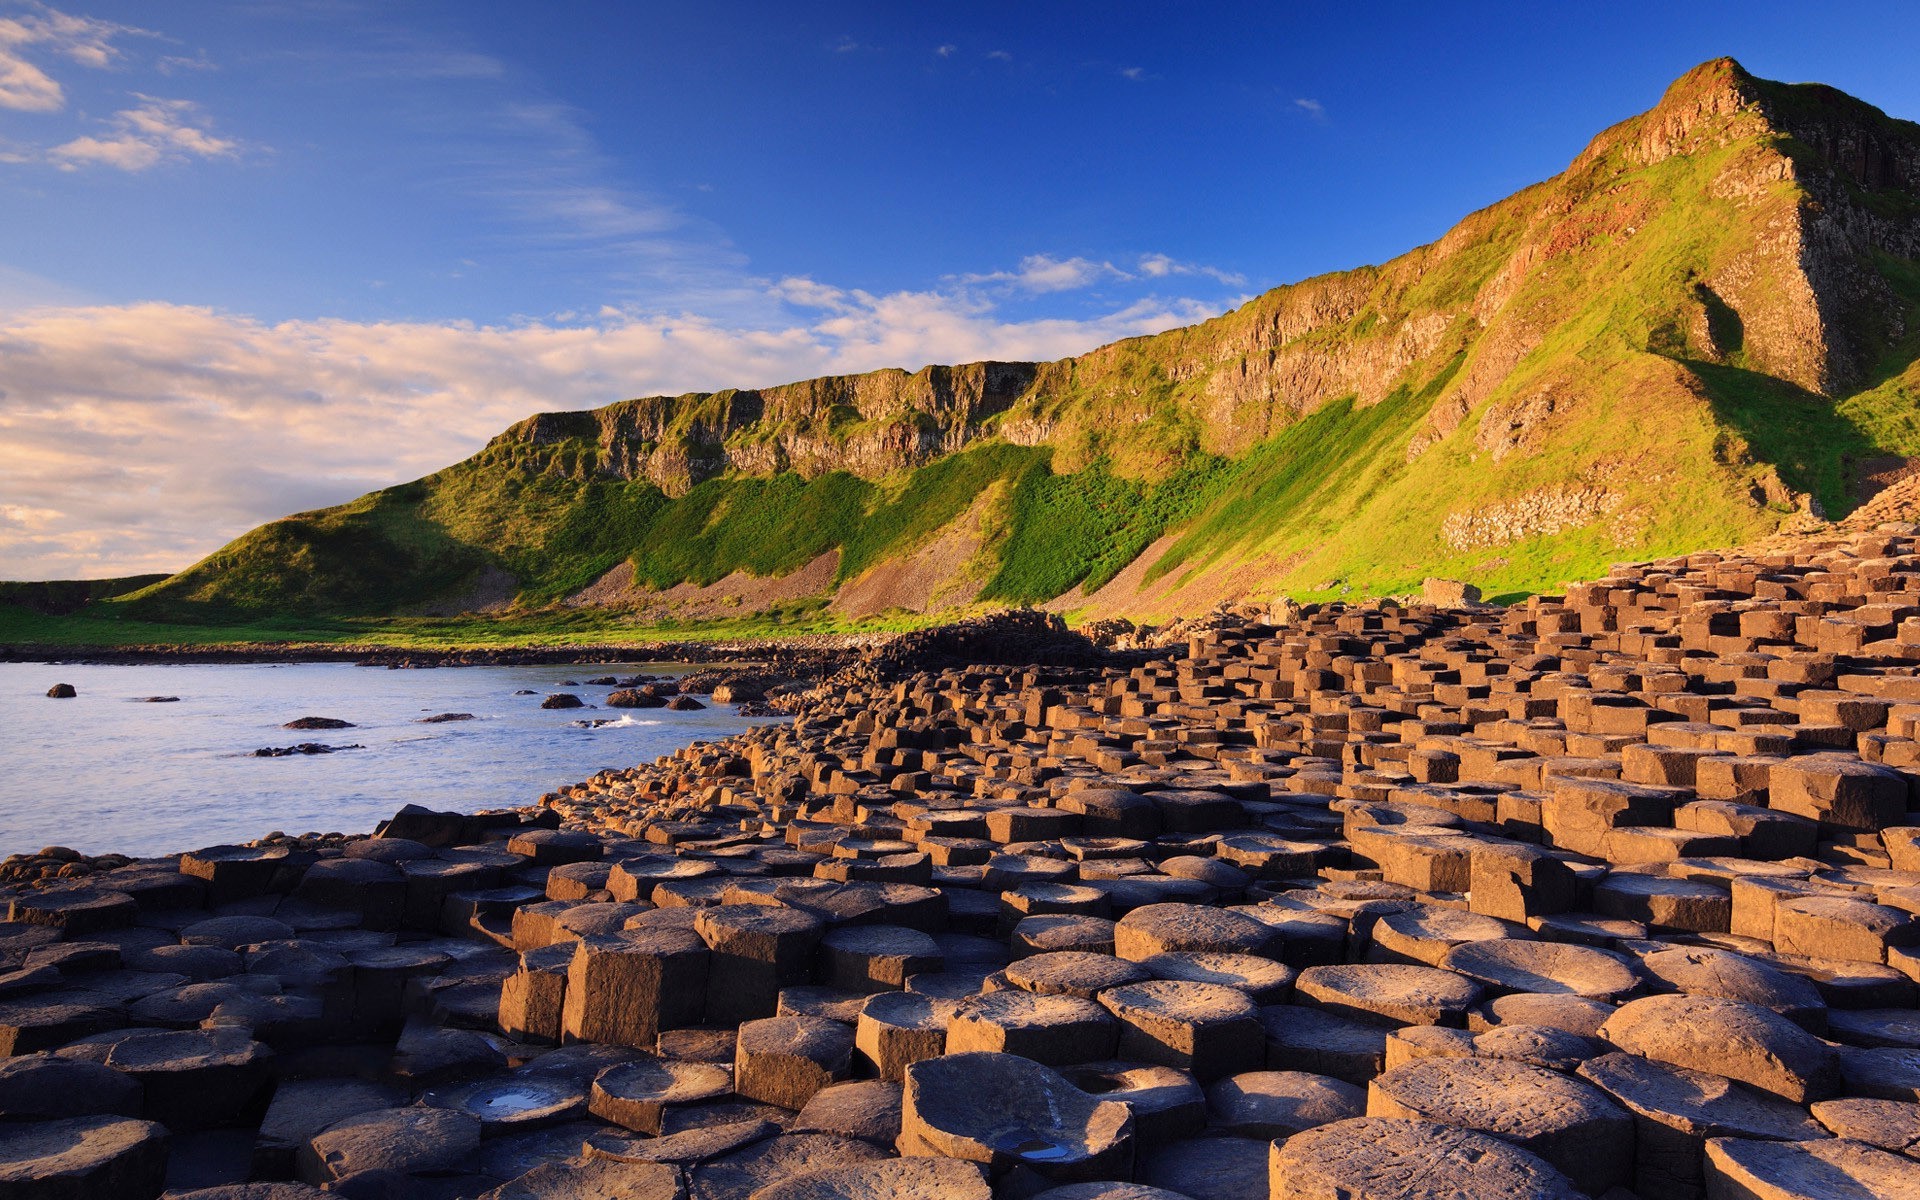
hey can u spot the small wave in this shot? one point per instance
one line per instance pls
(627, 722)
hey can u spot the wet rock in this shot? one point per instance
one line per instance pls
(307, 749)
(1003, 1111)
(61, 691)
(446, 717)
(518, 1101)
(310, 723)
(563, 700)
(637, 1095)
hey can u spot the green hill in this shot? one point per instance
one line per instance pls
(1703, 327)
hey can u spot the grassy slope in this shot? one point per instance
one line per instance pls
(1685, 435)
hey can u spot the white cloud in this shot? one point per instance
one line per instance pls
(1160, 266)
(83, 40)
(1040, 273)
(1134, 74)
(946, 51)
(140, 437)
(1000, 55)
(1312, 108)
(155, 132)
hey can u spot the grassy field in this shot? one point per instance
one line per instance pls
(20, 627)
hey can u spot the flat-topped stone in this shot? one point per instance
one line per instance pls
(1838, 1169)
(1279, 1104)
(1569, 1123)
(1208, 1029)
(1389, 993)
(1728, 1037)
(636, 1094)
(1379, 1158)
(1163, 928)
(1052, 1029)
(1512, 965)
(1003, 1111)
(1073, 973)
(102, 1157)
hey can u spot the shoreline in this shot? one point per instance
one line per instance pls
(798, 649)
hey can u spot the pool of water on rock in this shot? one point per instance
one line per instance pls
(105, 773)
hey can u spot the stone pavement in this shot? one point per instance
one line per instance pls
(1608, 894)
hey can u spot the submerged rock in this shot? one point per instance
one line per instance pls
(318, 723)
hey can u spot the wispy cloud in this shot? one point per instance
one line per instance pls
(1000, 55)
(1312, 108)
(1160, 266)
(110, 416)
(1134, 74)
(25, 86)
(948, 50)
(1041, 273)
(156, 131)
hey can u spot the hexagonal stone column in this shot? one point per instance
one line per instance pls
(624, 988)
(1206, 1028)
(785, 1060)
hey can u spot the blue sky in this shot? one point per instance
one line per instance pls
(292, 216)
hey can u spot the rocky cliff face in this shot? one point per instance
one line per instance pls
(1647, 353)
(1799, 299)
(869, 424)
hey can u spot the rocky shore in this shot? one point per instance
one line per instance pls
(1609, 894)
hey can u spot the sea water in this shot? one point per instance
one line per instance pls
(104, 772)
